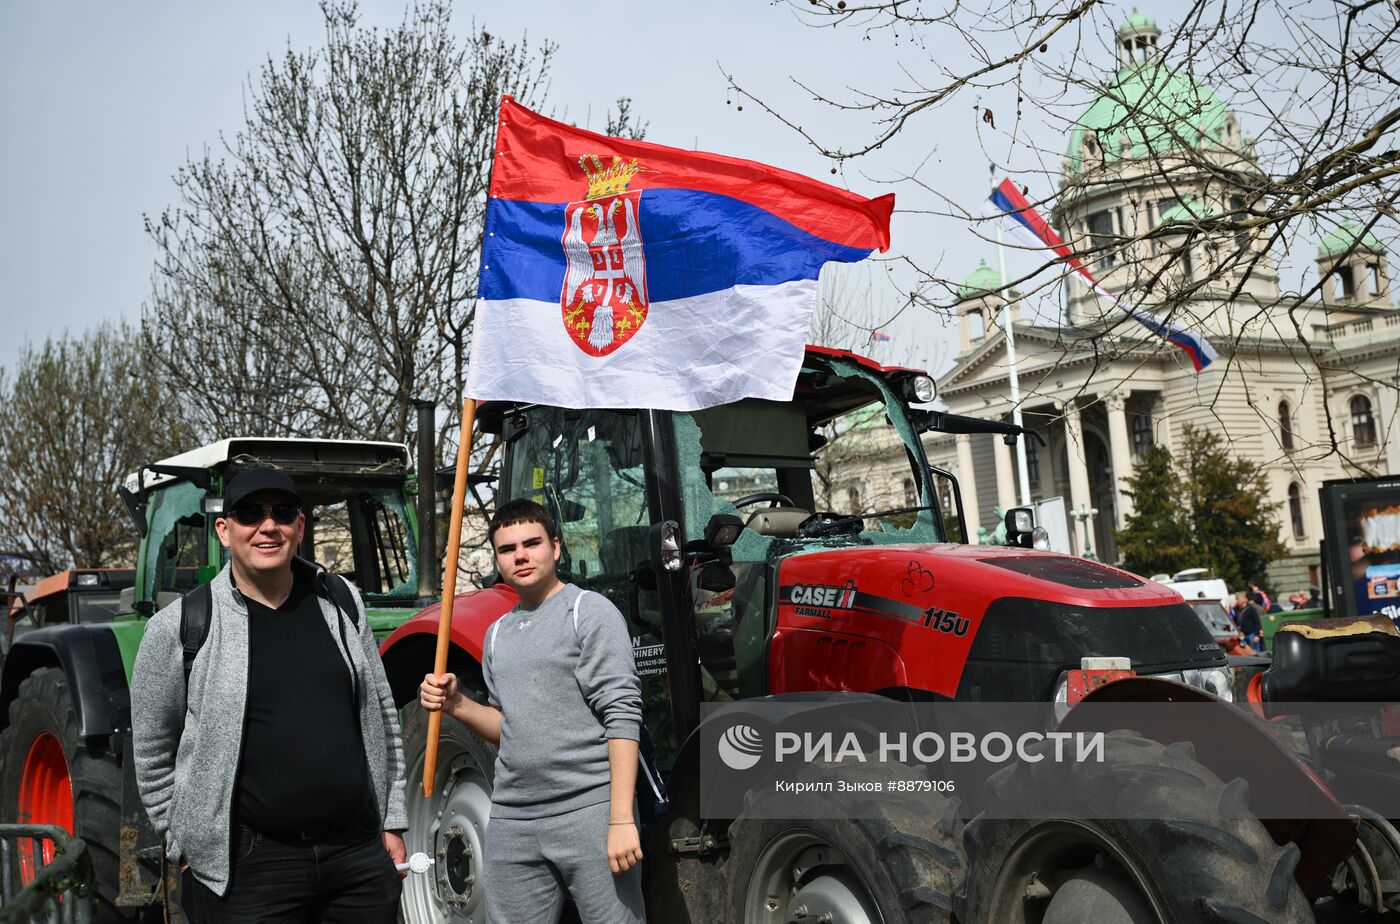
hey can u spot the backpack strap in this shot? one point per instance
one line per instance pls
(646, 754)
(491, 641)
(196, 607)
(338, 590)
(577, 601)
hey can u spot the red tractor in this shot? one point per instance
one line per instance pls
(751, 552)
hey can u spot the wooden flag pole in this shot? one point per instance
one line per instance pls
(449, 581)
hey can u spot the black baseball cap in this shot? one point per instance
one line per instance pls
(256, 481)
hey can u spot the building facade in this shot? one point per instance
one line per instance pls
(1156, 150)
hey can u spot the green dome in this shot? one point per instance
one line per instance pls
(1341, 239)
(980, 281)
(1154, 108)
(1137, 23)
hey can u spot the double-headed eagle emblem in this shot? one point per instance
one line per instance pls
(605, 287)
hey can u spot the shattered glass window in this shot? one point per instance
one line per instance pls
(839, 451)
(176, 546)
(587, 469)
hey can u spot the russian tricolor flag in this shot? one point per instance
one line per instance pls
(1021, 219)
(619, 273)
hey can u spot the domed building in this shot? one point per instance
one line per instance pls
(1151, 159)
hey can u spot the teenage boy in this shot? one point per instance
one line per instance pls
(565, 708)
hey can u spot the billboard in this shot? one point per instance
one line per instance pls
(1361, 520)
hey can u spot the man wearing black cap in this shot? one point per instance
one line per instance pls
(275, 767)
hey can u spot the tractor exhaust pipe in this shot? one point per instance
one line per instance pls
(427, 504)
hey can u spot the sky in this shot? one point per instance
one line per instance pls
(101, 103)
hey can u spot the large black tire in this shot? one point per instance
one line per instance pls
(44, 705)
(899, 863)
(1193, 854)
(450, 826)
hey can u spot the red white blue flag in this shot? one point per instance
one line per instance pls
(1021, 219)
(619, 273)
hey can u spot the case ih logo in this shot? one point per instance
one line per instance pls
(820, 601)
(823, 595)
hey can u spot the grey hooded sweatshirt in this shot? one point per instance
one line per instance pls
(187, 748)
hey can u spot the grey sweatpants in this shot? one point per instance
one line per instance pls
(529, 864)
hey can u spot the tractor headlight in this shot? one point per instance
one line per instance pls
(920, 389)
(1214, 680)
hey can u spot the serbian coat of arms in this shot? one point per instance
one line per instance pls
(605, 287)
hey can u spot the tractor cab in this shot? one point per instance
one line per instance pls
(360, 522)
(625, 484)
(77, 596)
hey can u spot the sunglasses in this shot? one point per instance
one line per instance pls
(283, 514)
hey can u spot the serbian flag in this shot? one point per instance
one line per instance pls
(1020, 218)
(618, 273)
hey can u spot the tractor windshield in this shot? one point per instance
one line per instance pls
(841, 452)
(362, 530)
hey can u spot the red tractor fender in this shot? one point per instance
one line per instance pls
(1231, 744)
(408, 652)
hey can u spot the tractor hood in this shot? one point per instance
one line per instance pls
(946, 618)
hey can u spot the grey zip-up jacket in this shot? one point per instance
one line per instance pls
(187, 749)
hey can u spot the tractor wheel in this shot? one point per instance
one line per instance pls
(900, 863)
(1183, 851)
(449, 826)
(48, 777)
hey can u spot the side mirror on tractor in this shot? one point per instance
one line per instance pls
(712, 552)
(664, 546)
(664, 556)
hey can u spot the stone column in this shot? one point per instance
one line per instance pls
(967, 483)
(1120, 451)
(1078, 473)
(1006, 474)
(1387, 427)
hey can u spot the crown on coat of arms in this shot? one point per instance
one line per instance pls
(611, 180)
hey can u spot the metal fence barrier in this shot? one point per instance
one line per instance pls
(59, 893)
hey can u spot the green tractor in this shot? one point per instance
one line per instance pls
(65, 705)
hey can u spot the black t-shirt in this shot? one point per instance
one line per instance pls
(303, 766)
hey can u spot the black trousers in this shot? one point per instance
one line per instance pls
(287, 882)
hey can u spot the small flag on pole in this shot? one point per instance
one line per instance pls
(619, 273)
(879, 336)
(1020, 219)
